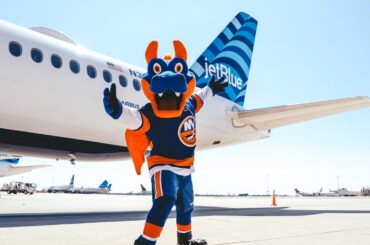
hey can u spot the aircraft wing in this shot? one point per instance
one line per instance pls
(23, 169)
(273, 117)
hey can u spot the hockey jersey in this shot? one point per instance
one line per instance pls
(172, 140)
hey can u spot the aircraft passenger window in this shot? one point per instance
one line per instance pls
(75, 67)
(15, 49)
(107, 76)
(36, 55)
(91, 71)
(122, 80)
(56, 61)
(137, 85)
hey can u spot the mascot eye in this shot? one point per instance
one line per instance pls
(157, 68)
(178, 68)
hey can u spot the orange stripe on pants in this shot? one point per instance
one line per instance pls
(152, 231)
(158, 185)
(184, 228)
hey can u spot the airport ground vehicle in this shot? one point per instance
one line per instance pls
(16, 186)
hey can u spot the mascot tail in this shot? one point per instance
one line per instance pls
(229, 55)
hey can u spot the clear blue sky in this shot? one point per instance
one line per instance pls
(305, 51)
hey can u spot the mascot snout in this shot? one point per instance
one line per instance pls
(168, 81)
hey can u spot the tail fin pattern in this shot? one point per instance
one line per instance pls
(72, 180)
(103, 184)
(229, 55)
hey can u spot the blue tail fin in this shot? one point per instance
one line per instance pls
(103, 184)
(229, 55)
(109, 186)
(72, 180)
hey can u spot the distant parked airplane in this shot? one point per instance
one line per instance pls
(331, 193)
(144, 191)
(63, 188)
(104, 187)
(346, 192)
(305, 194)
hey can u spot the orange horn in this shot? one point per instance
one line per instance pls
(180, 50)
(151, 51)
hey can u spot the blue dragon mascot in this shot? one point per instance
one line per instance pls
(166, 125)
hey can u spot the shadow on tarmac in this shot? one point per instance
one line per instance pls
(41, 219)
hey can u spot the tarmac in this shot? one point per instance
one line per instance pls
(79, 219)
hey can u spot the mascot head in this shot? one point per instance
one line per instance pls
(168, 83)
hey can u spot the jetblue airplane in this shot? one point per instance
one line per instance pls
(9, 166)
(63, 188)
(51, 91)
(104, 187)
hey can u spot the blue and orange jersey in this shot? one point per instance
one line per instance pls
(173, 140)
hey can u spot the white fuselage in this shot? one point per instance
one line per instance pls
(53, 112)
(91, 190)
(60, 188)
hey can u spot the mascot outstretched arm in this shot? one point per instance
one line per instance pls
(168, 125)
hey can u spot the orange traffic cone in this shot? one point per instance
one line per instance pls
(273, 198)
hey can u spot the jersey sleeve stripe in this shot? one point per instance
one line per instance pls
(199, 102)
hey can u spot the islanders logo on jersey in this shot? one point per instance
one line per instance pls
(186, 132)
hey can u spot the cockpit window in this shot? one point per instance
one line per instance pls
(15, 49)
(91, 71)
(36, 55)
(75, 67)
(56, 61)
(107, 76)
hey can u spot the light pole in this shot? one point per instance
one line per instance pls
(337, 182)
(267, 184)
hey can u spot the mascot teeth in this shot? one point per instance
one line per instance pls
(177, 94)
(160, 95)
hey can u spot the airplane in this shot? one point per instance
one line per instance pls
(345, 192)
(332, 193)
(305, 194)
(144, 191)
(63, 188)
(103, 188)
(52, 88)
(8, 166)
